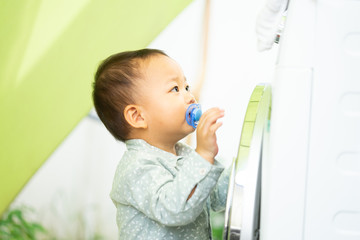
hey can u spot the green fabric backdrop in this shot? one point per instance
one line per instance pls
(49, 51)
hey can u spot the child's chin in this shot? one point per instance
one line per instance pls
(191, 129)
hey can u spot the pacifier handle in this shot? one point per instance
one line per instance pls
(193, 114)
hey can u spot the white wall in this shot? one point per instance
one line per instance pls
(71, 191)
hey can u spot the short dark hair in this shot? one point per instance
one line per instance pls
(113, 88)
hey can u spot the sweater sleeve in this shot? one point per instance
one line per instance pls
(162, 194)
(219, 194)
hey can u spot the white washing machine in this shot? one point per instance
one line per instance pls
(297, 173)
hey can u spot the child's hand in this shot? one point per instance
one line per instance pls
(206, 134)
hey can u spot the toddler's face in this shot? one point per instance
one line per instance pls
(165, 98)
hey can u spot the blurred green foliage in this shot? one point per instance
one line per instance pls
(217, 225)
(14, 226)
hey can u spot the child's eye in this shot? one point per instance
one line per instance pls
(187, 88)
(175, 89)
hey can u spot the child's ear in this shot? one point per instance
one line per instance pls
(134, 116)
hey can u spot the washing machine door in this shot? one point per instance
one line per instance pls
(242, 214)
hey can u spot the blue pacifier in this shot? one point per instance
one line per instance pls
(193, 114)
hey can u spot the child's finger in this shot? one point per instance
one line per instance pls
(215, 127)
(211, 117)
(208, 125)
(211, 113)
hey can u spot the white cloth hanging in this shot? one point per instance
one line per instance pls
(268, 22)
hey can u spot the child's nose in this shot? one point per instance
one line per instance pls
(190, 98)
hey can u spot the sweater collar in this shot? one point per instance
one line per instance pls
(142, 145)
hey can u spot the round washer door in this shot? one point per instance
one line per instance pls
(242, 214)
